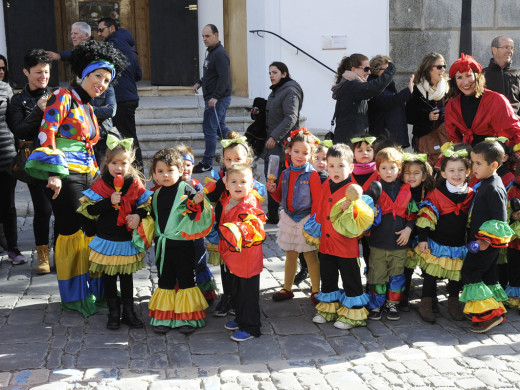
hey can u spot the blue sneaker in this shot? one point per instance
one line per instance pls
(241, 335)
(231, 325)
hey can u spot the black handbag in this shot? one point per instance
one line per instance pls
(25, 148)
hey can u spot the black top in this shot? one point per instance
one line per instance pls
(336, 186)
(469, 106)
(504, 80)
(417, 194)
(418, 110)
(361, 179)
(216, 81)
(323, 175)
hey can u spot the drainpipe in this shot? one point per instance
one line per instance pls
(465, 28)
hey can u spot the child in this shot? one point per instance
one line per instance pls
(236, 150)
(513, 250)
(441, 225)
(242, 233)
(181, 215)
(388, 240)
(298, 193)
(319, 163)
(203, 275)
(482, 292)
(418, 173)
(118, 209)
(339, 247)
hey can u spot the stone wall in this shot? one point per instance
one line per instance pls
(418, 27)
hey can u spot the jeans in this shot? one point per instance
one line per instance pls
(210, 127)
(124, 120)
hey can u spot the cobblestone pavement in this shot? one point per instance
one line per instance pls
(42, 347)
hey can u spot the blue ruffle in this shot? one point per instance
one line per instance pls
(203, 276)
(215, 174)
(312, 228)
(376, 300)
(377, 218)
(512, 292)
(144, 197)
(259, 187)
(93, 196)
(329, 297)
(213, 236)
(396, 283)
(452, 252)
(370, 202)
(429, 204)
(350, 302)
(113, 248)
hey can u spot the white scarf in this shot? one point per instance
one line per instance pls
(435, 92)
(457, 190)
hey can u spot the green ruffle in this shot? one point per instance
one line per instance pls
(476, 292)
(515, 226)
(502, 256)
(436, 270)
(84, 202)
(425, 223)
(41, 170)
(378, 288)
(87, 306)
(210, 285)
(411, 261)
(498, 292)
(346, 320)
(178, 323)
(214, 258)
(330, 317)
(412, 207)
(117, 269)
(497, 228)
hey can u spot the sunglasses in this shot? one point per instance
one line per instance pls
(3, 68)
(101, 29)
(366, 69)
(439, 66)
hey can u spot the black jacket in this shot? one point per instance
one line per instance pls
(387, 112)
(216, 81)
(24, 117)
(7, 149)
(418, 110)
(504, 80)
(351, 105)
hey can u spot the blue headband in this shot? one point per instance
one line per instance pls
(98, 65)
(188, 157)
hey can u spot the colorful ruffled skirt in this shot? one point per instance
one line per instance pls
(114, 257)
(441, 261)
(483, 302)
(290, 234)
(336, 306)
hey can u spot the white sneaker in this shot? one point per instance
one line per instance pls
(319, 319)
(343, 325)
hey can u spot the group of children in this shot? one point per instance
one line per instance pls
(333, 198)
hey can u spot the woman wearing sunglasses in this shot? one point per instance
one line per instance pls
(352, 91)
(425, 109)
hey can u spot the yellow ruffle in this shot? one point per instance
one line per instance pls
(515, 226)
(446, 263)
(503, 240)
(84, 202)
(353, 314)
(163, 300)
(310, 240)
(114, 260)
(188, 300)
(353, 221)
(482, 306)
(71, 255)
(428, 214)
(514, 302)
(328, 307)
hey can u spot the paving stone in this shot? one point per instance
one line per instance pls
(422, 336)
(300, 346)
(282, 309)
(159, 360)
(390, 341)
(73, 347)
(32, 303)
(181, 384)
(5, 378)
(138, 350)
(293, 326)
(347, 346)
(379, 328)
(106, 357)
(148, 375)
(260, 349)
(72, 319)
(404, 353)
(66, 375)
(368, 358)
(24, 334)
(338, 380)
(33, 356)
(213, 343)
(440, 352)
(179, 355)
(490, 378)
(30, 377)
(440, 381)
(172, 337)
(76, 333)
(446, 366)
(215, 360)
(412, 379)
(285, 381)
(157, 344)
(472, 350)
(100, 374)
(470, 383)
(68, 361)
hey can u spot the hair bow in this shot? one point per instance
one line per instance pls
(113, 141)
(226, 142)
(464, 64)
(303, 130)
(327, 143)
(422, 157)
(448, 151)
(368, 140)
(516, 148)
(504, 140)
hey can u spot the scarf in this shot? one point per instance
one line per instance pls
(363, 169)
(457, 190)
(282, 81)
(436, 92)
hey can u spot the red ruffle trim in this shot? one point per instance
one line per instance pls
(209, 294)
(202, 234)
(171, 315)
(395, 296)
(492, 314)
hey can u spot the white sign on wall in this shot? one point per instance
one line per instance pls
(333, 42)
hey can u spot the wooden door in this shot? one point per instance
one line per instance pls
(27, 30)
(174, 37)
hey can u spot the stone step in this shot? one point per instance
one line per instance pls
(157, 141)
(186, 125)
(160, 90)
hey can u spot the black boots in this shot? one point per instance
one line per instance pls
(114, 314)
(129, 318)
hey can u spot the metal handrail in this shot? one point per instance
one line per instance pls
(293, 45)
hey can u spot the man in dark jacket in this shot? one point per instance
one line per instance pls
(216, 88)
(126, 89)
(501, 77)
(79, 32)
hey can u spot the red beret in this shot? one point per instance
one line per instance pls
(464, 64)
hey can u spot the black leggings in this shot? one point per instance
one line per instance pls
(126, 283)
(8, 210)
(42, 212)
(177, 268)
(430, 286)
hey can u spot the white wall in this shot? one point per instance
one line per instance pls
(303, 22)
(209, 12)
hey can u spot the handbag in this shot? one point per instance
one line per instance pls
(25, 148)
(431, 143)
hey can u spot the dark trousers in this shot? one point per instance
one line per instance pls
(331, 267)
(42, 212)
(126, 283)
(124, 120)
(66, 220)
(513, 267)
(480, 267)
(429, 288)
(177, 268)
(8, 210)
(227, 280)
(245, 297)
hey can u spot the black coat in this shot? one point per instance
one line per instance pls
(351, 105)
(387, 113)
(506, 81)
(7, 148)
(418, 111)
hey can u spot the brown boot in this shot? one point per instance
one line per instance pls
(454, 309)
(43, 260)
(425, 310)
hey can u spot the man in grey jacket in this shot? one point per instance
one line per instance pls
(216, 89)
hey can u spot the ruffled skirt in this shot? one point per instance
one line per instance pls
(290, 234)
(114, 257)
(444, 262)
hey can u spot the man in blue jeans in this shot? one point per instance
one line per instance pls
(216, 89)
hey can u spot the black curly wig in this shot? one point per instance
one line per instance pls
(91, 51)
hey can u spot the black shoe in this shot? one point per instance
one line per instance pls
(187, 329)
(404, 305)
(435, 305)
(301, 276)
(223, 306)
(272, 221)
(375, 314)
(201, 168)
(129, 318)
(114, 314)
(392, 312)
(161, 329)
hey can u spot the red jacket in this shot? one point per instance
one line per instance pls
(331, 242)
(249, 261)
(495, 117)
